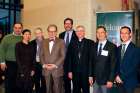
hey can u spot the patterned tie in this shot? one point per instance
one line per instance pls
(123, 50)
(100, 49)
(67, 39)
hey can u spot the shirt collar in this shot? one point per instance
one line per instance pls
(16, 35)
(127, 43)
(103, 42)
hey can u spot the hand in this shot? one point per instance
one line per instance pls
(51, 66)
(32, 73)
(109, 84)
(118, 79)
(90, 81)
(70, 76)
(3, 66)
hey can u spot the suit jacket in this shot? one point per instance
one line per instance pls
(73, 38)
(55, 57)
(127, 67)
(104, 67)
(34, 45)
(82, 64)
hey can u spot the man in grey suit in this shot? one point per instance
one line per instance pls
(52, 56)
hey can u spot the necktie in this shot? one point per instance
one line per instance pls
(67, 40)
(100, 49)
(122, 51)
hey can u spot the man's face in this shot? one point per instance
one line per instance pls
(125, 35)
(101, 34)
(38, 34)
(80, 32)
(68, 25)
(27, 36)
(52, 32)
(17, 29)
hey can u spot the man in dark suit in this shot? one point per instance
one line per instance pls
(80, 60)
(128, 59)
(105, 62)
(52, 55)
(38, 77)
(69, 36)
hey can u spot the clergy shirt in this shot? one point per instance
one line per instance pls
(37, 54)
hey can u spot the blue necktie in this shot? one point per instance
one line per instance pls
(123, 51)
(67, 40)
(100, 49)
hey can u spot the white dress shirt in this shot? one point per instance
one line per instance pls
(51, 43)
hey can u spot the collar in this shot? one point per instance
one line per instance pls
(103, 42)
(127, 43)
(16, 35)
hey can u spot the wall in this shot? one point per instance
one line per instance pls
(41, 13)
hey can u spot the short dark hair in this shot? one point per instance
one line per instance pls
(126, 27)
(103, 27)
(71, 20)
(52, 25)
(26, 30)
(18, 23)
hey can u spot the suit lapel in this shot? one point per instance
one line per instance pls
(128, 50)
(106, 46)
(96, 46)
(47, 46)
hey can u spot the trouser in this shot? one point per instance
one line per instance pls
(80, 83)
(67, 83)
(39, 80)
(100, 88)
(122, 89)
(10, 77)
(54, 84)
(24, 83)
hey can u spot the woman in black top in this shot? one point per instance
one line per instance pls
(25, 60)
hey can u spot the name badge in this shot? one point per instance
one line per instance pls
(104, 53)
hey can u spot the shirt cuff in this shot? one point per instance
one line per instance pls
(2, 63)
(43, 66)
(91, 78)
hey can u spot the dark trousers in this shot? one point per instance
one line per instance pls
(122, 89)
(39, 79)
(80, 82)
(67, 83)
(24, 83)
(10, 77)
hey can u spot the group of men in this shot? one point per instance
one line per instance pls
(71, 58)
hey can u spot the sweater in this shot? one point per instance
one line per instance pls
(7, 47)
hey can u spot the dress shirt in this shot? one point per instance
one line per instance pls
(51, 43)
(70, 35)
(103, 44)
(126, 44)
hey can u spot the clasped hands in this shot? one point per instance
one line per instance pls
(49, 66)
